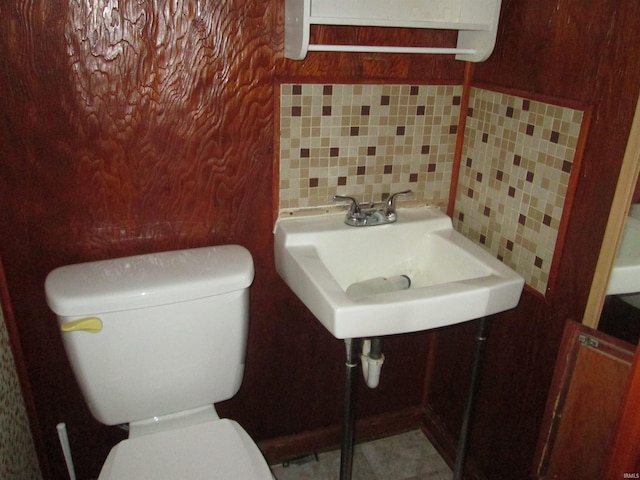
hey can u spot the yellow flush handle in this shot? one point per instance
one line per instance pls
(90, 324)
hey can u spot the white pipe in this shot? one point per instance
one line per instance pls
(66, 449)
(371, 367)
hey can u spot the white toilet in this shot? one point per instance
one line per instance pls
(154, 341)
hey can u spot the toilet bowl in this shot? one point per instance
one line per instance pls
(212, 450)
(154, 341)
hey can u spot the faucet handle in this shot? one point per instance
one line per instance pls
(354, 208)
(355, 216)
(390, 207)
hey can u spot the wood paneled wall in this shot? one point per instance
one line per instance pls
(147, 126)
(577, 51)
(131, 127)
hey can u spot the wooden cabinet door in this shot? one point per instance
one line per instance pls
(589, 384)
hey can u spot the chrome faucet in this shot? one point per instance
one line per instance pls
(390, 206)
(371, 216)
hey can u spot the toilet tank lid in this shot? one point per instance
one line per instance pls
(148, 280)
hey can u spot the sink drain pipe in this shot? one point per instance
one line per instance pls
(372, 360)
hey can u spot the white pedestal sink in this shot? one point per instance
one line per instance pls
(625, 274)
(452, 279)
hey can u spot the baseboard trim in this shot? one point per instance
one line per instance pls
(282, 449)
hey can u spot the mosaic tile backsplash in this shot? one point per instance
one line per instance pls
(366, 141)
(372, 140)
(517, 158)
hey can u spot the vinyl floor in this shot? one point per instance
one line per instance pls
(408, 456)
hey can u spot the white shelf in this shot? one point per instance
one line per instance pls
(475, 20)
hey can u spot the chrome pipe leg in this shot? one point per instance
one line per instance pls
(481, 340)
(348, 426)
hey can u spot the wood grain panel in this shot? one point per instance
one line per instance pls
(589, 383)
(131, 127)
(147, 126)
(585, 458)
(579, 52)
(624, 456)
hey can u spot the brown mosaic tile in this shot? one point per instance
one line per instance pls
(375, 112)
(528, 161)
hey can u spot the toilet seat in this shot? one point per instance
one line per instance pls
(214, 450)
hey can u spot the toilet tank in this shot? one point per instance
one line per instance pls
(173, 329)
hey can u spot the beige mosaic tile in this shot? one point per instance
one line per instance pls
(367, 141)
(517, 159)
(371, 140)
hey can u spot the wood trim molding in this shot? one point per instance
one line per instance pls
(615, 225)
(462, 124)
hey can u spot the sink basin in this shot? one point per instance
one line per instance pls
(625, 275)
(452, 279)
